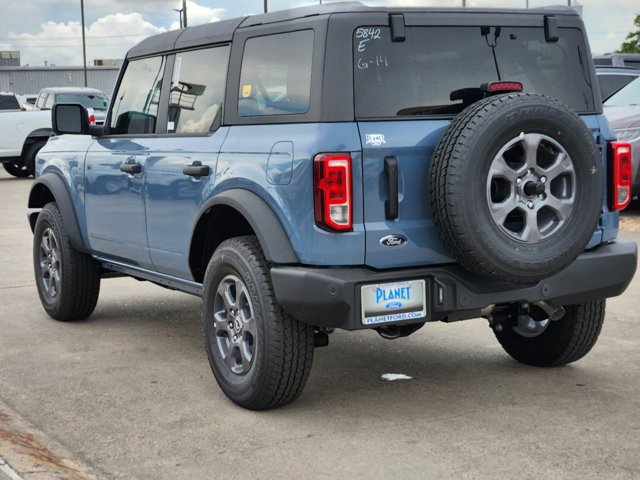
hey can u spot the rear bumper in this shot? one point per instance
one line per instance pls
(330, 297)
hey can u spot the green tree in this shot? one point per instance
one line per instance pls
(631, 44)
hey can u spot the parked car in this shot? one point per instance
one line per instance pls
(92, 99)
(618, 60)
(23, 134)
(9, 102)
(31, 131)
(27, 102)
(612, 79)
(623, 112)
(340, 166)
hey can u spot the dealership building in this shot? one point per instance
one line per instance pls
(29, 80)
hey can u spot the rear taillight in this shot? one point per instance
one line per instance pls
(620, 157)
(92, 119)
(332, 191)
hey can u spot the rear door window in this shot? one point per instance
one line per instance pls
(419, 75)
(135, 104)
(197, 89)
(276, 74)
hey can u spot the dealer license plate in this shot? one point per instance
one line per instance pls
(393, 302)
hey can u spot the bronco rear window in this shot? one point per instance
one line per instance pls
(418, 75)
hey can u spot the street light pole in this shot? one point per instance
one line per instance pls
(84, 44)
(184, 13)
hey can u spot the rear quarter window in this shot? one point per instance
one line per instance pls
(417, 76)
(275, 77)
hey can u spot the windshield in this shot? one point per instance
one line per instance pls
(97, 101)
(417, 76)
(628, 96)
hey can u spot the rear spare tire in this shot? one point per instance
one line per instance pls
(516, 187)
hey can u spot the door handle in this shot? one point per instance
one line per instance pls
(196, 169)
(131, 168)
(391, 204)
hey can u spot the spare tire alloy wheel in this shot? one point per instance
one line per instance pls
(531, 187)
(516, 187)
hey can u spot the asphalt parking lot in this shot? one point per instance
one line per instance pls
(129, 394)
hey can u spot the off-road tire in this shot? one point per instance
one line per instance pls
(283, 347)
(78, 289)
(16, 170)
(563, 341)
(30, 155)
(459, 172)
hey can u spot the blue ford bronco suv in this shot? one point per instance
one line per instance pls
(341, 166)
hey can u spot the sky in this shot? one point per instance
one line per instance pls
(50, 30)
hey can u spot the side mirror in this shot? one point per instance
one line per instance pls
(70, 118)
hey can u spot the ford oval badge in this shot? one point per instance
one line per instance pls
(393, 241)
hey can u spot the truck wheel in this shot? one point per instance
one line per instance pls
(544, 343)
(68, 281)
(260, 356)
(30, 156)
(516, 187)
(16, 170)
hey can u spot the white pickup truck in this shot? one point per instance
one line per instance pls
(22, 135)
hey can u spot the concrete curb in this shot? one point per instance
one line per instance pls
(28, 454)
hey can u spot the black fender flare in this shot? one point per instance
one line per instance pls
(272, 236)
(57, 187)
(39, 134)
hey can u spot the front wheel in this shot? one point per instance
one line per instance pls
(68, 281)
(260, 355)
(536, 340)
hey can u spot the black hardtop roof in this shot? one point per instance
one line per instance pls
(223, 31)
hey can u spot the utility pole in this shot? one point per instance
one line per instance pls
(184, 13)
(84, 44)
(464, 3)
(265, 6)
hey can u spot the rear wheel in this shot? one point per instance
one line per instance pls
(260, 356)
(16, 170)
(68, 281)
(535, 340)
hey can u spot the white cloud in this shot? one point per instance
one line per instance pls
(199, 14)
(61, 43)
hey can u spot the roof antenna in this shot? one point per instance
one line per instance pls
(485, 31)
